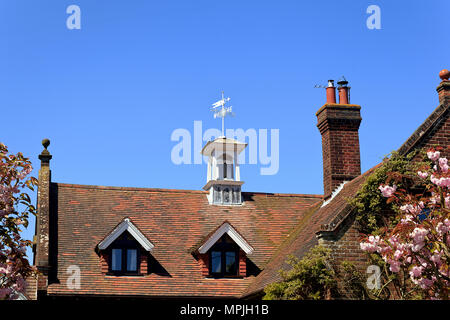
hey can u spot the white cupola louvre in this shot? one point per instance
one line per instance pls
(223, 180)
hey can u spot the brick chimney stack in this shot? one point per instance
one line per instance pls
(339, 124)
(443, 88)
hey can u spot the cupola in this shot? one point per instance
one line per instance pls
(223, 179)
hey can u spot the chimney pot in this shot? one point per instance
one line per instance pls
(343, 90)
(338, 124)
(331, 92)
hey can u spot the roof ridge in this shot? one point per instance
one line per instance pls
(87, 186)
(285, 194)
(424, 128)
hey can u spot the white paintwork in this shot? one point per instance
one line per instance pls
(219, 150)
(228, 229)
(126, 225)
(334, 193)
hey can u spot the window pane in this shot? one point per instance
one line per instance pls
(131, 260)
(226, 195)
(116, 260)
(230, 262)
(216, 261)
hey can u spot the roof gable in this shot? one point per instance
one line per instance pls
(126, 225)
(228, 229)
(426, 130)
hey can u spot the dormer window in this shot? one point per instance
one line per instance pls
(224, 257)
(224, 253)
(125, 250)
(125, 256)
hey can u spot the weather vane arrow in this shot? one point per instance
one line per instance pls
(220, 111)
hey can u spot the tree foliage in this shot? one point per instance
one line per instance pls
(15, 210)
(415, 248)
(309, 278)
(372, 210)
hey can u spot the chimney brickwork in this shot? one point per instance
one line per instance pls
(444, 87)
(339, 124)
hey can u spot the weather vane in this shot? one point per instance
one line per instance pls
(221, 111)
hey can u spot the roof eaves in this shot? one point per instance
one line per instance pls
(435, 118)
(227, 228)
(126, 225)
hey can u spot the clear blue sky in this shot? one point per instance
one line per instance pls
(109, 95)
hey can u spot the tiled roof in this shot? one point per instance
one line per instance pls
(175, 221)
(328, 218)
(304, 236)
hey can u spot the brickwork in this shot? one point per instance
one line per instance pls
(143, 263)
(104, 262)
(439, 136)
(344, 239)
(204, 264)
(242, 264)
(339, 125)
(344, 245)
(444, 92)
(275, 225)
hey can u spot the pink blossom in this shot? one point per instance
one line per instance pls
(387, 191)
(423, 175)
(443, 227)
(440, 182)
(443, 164)
(436, 258)
(433, 155)
(418, 235)
(397, 254)
(394, 266)
(416, 271)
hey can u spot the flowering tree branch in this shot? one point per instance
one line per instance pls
(418, 244)
(15, 209)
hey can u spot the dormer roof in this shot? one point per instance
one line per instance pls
(227, 228)
(126, 225)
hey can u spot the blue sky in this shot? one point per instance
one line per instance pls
(109, 95)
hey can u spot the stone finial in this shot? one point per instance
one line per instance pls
(46, 143)
(45, 156)
(444, 74)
